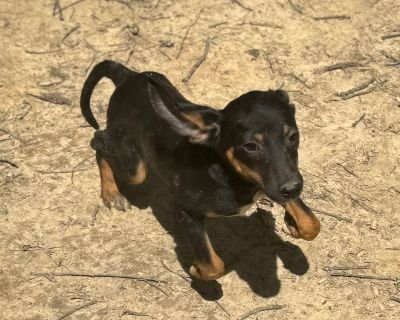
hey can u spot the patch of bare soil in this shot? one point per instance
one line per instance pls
(51, 216)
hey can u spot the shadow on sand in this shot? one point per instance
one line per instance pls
(248, 246)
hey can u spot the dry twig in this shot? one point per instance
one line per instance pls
(391, 36)
(157, 4)
(333, 215)
(69, 33)
(355, 123)
(94, 275)
(362, 276)
(54, 98)
(187, 33)
(345, 268)
(198, 62)
(12, 135)
(339, 66)
(42, 52)
(77, 309)
(295, 7)
(176, 273)
(359, 93)
(94, 214)
(395, 62)
(221, 307)
(12, 164)
(67, 6)
(339, 17)
(297, 78)
(347, 169)
(360, 89)
(127, 312)
(260, 309)
(265, 24)
(395, 299)
(241, 5)
(217, 24)
(74, 169)
(57, 9)
(362, 205)
(20, 117)
(125, 3)
(268, 59)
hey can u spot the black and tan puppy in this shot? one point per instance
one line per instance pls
(214, 162)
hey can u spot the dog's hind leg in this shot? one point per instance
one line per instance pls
(110, 194)
(118, 160)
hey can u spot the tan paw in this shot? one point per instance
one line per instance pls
(207, 272)
(115, 200)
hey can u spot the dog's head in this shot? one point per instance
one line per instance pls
(258, 136)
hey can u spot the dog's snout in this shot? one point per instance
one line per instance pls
(291, 189)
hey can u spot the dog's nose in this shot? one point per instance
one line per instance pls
(291, 189)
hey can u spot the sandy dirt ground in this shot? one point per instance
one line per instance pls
(52, 219)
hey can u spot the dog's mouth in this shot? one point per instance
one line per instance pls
(300, 220)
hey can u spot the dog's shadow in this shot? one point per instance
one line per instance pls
(248, 246)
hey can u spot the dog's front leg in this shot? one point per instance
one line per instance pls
(208, 265)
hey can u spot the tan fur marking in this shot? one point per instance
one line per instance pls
(211, 271)
(140, 174)
(109, 189)
(195, 118)
(259, 137)
(286, 129)
(243, 170)
(307, 224)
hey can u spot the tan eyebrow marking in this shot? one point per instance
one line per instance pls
(286, 129)
(259, 137)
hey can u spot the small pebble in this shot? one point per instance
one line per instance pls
(373, 225)
(166, 43)
(133, 29)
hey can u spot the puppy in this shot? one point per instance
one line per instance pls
(214, 162)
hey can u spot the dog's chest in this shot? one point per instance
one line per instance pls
(243, 211)
(248, 209)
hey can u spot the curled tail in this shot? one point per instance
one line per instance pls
(109, 69)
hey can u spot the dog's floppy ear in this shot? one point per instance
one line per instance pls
(186, 122)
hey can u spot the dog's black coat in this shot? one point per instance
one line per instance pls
(213, 161)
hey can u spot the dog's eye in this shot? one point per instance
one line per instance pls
(251, 147)
(293, 137)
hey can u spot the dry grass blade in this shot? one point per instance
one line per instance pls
(260, 309)
(77, 309)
